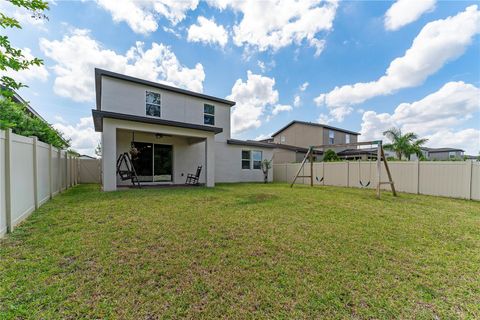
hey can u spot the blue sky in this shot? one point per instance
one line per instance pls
(319, 61)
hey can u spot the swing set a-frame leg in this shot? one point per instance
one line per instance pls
(307, 156)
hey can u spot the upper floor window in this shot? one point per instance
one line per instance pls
(347, 138)
(282, 139)
(331, 137)
(152, 104)
(209, 114)
(452, 154)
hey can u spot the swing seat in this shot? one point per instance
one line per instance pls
(319, 180)
(364, 186)
(125, 175)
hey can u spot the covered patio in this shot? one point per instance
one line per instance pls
(167, 150)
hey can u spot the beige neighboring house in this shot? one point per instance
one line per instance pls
(441, 154)
(293, 140)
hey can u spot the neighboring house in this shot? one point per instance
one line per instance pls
(440, 154)
(293, 140)
(175, 131)
(306, 134)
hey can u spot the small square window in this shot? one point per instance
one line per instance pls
(153, 110)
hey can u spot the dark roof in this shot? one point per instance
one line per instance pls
(352, 152)
(86, 156)
(294, 148)
(434, 150)
(315, 125)
(98, 87)
(250, 143)
(99, 115)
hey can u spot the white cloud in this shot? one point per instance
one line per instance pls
(281, 108)
(83, 137)
(77, 54)
(276, 24)
(436, 113)
(437, 43)
(263, 136)
(403, 12)
(141, 15)
(304, 86)
(324, 118)
(297, 101)
(252, 97)
(207, 31)
(319, 45)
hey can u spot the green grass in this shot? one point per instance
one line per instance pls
(243, 251)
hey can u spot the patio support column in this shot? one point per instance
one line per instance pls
(210, 161)
(109, 156)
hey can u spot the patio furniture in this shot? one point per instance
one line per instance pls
(126, 170)
(193, 178)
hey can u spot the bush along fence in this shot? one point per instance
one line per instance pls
(456, 179)
(31, 173)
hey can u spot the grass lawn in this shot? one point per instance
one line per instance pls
(243, 251)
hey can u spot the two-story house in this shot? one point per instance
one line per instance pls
(173, 131)
(293, 140)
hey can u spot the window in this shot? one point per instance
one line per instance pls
(347, 138)
(209, 114)
(153, 104)
(245, 159)
(452, 155)
(331, 137)
(257, 159)
(282, 139)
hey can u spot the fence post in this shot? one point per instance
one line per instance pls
(8, 178)
(59, 170)
(418, 176)
(50, 170)
(469, 164)
(348, 174)
(35, 171)
(66, 170)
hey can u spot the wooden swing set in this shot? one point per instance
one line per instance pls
(380, 157)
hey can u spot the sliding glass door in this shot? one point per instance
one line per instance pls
(154, 162)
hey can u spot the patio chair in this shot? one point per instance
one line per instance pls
(193, 178)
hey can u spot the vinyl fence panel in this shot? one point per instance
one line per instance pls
(89, 170)
(31, 172)
(3, 207)
(457, 179)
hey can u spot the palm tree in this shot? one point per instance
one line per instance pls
(404, 144)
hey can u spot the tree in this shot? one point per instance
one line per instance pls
(404, 144)
(266, 166)
(12, 59)
(98, 150)
(330, 155)
(13, 115)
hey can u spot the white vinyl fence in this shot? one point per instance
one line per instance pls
(89, 171)
(456, 179)
(31, 173)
